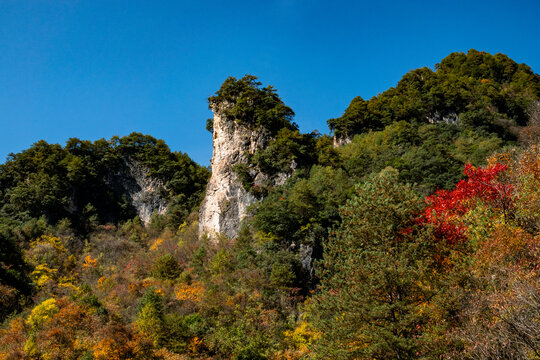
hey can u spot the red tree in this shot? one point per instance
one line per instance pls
(445, 207)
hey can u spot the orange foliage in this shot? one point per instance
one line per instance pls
(109, 349)
(501, 312)
(156, 244)
(89, 262)
(193, 292)
(508, 246)
(68, 334)
(118, 342)
(12, 340)
(195, 345)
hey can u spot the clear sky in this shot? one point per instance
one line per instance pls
(96, 68)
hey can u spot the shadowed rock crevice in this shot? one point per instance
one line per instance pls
(145, 193)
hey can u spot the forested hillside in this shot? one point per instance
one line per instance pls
(417, 238)
(483, 92)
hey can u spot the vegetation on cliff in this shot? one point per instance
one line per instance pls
(75, 182)
(417, 240)
(249, 104)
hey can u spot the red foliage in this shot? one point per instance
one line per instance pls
(445, 207)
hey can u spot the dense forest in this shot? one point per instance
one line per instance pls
(423, 231)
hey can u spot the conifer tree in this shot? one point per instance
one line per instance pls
(376, 275)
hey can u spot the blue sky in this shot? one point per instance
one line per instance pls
(93, 69)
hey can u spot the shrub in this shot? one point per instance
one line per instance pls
(166, 268)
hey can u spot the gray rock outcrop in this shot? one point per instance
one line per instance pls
(143, 191)
(342, 140)
(226, 200)
(438, 117)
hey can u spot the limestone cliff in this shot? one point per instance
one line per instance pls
(226, 200)
(143, 191)
(341, 140)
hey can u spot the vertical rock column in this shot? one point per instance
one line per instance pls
(226, 200)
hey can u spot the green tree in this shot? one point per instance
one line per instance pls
(373, 300)
(246, 102)
(166, 267)
(356, 119)
(150, 319)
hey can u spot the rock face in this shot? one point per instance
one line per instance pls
(226, 200)
(342, 140)
(143, 191)
(437, 117)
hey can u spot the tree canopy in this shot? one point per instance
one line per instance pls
(246, 102)
(489, 93)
